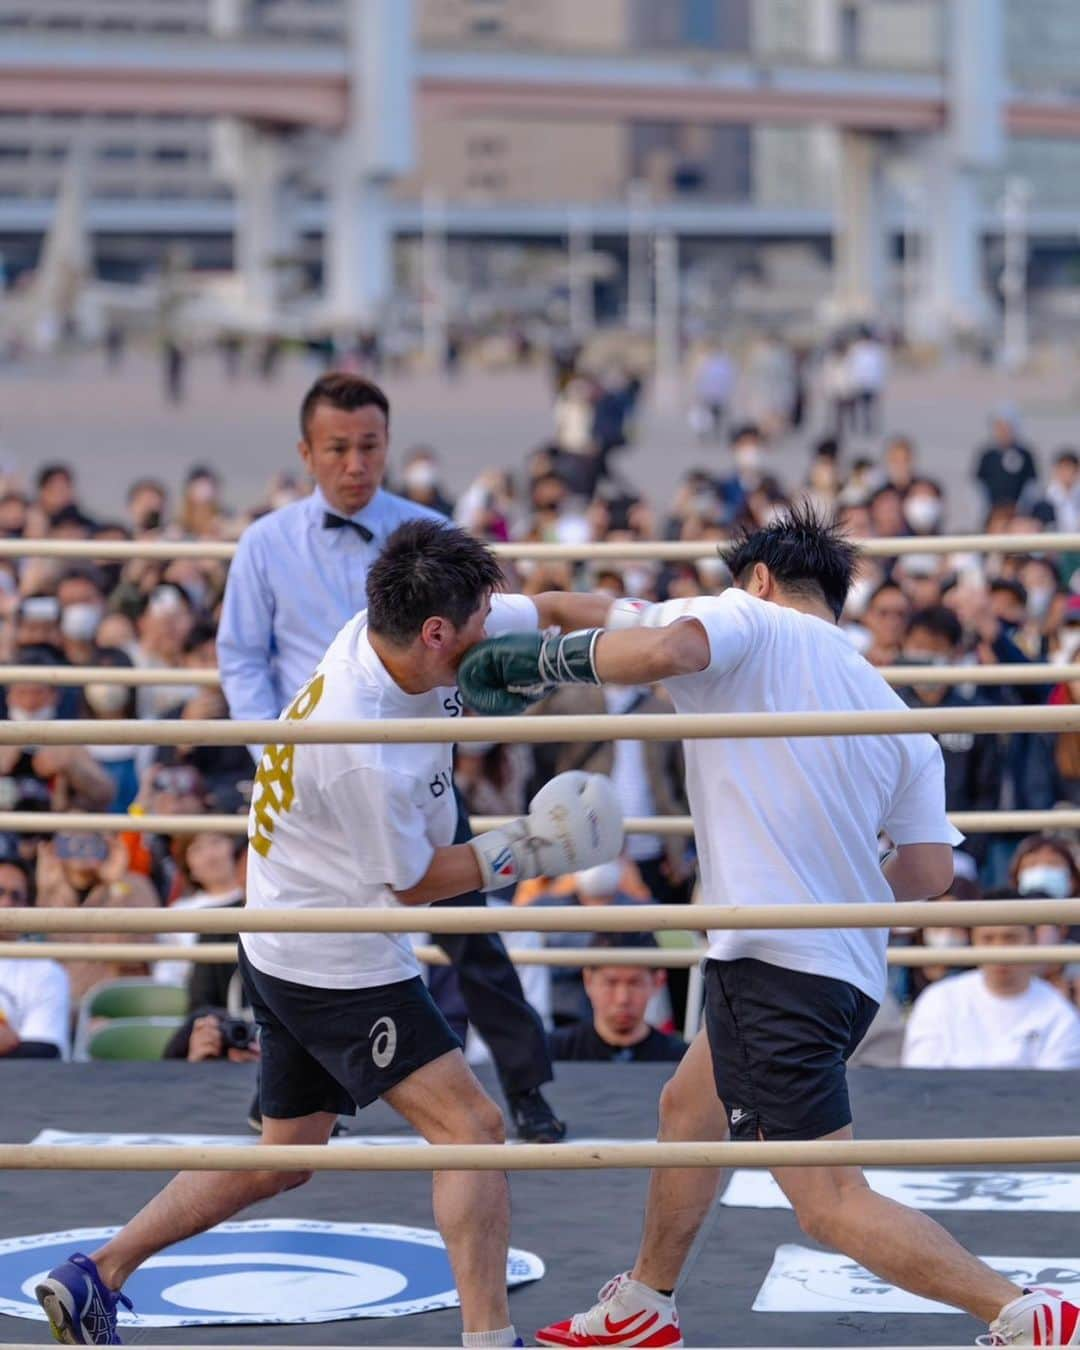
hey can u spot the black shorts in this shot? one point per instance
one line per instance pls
(780, 1041)
(338, 1049)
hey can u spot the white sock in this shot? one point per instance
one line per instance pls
(476, 1339)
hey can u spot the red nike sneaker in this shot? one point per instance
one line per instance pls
(625, 1313)
(1038, 1317)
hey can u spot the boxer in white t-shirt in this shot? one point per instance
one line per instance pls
(777, 821)
(345, 1017)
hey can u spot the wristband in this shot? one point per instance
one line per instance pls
(569, 659)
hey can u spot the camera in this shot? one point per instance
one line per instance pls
(236, 1033)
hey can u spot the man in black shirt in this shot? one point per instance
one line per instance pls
(619, 996)
(1006, 466)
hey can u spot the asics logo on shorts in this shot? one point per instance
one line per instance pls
(383, 1038)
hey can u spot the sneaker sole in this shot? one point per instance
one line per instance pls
(56, 1310)
(566, 1345)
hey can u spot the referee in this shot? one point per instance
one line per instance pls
(299, 575)
(778, 821)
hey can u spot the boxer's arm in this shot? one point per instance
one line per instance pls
(647, 655)
(919, 871)
(569, 610)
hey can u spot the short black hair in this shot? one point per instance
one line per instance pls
(1067, 456)
(54, 470)
(1016, 589)
(343, 391)
(806, 553)
(601, 942)
(85, 571)
(940, 621)
(426, 569)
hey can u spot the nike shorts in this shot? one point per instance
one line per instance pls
(338, 1049)
(780, 1041)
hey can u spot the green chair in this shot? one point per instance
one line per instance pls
(130, 997)
(132, 1038)
(136, 998)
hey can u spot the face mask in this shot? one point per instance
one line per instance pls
(943, 937)
(924, 659)
(858, 597)
(1039, 600)
(713, 571)
(422, 474)
(80, 622)
(748, 458)
(45, 714)
(572, 530)
(107, 700)
(922, 513)
(1053, 878)
(637, 580)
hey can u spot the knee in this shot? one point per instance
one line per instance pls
(681, 1115)
(823, 1214)
(816, 1220)
(488, 1124)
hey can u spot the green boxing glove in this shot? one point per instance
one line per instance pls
(502, 676)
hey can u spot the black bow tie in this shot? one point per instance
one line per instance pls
(332, 522)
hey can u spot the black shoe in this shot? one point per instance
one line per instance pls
(534, 1121)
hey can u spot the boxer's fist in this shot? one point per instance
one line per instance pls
(574, 822)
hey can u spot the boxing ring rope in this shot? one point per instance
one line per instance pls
(544, 919)
(48, 822)
(138, 678)
(762, 1153)
(224, 954)
(543, 730)
(115, 550)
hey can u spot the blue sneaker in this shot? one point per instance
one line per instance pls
(81, 1311)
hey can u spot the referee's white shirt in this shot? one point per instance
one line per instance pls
(343, 826)
(784, 822)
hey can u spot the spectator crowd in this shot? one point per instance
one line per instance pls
(923, 608)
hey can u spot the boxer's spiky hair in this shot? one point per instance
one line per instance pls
(806, 553)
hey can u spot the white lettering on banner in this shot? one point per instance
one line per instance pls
(1004, 1192)
(802, 1280)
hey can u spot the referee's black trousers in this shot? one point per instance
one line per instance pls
(492, 994)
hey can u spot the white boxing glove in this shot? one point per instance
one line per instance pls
(574, 822)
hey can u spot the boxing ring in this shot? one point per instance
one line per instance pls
(907, 1119)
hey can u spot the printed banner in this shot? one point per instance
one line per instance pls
(802, 1280)
(269, 1271)
(1005, 1192)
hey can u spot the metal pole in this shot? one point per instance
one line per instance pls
(580, 282)
(667, 319)
(638, 308)
(1014, 349)
(434, 306)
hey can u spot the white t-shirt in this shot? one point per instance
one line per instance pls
(796, 821)
(35, 998)
(179, 972)
(958, 1023)
(337, 826)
